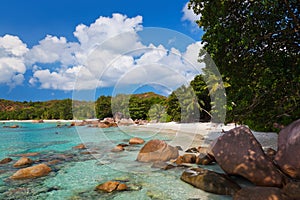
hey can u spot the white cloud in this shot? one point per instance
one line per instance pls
(53, 49)
(189, 15)
(110, 52)
(12, 66)
(61, 80)
(13, 45)
(106, 28)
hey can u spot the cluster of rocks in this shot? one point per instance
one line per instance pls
(26, 167)
(108, 122)
(274, 175)
(116, 120)
(132, 141)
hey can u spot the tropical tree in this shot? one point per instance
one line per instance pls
(158, 113)
(256, 47)
(103, 107)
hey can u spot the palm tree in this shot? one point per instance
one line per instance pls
(157, 112)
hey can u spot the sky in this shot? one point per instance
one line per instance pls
(59, 49)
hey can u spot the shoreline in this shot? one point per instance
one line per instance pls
(186, 134)
(202, 134)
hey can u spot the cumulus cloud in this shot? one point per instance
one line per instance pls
(108, 53)
(53, 49)
(189, 15)
(12, 66)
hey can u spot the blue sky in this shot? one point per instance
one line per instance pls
(83, 49)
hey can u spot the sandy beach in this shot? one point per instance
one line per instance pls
(189, 135)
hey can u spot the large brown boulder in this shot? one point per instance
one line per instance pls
(32, 172)
(23, 162)
(239, 153)
(210, 181)
(260, 193)
(111, 186)
(288, 156)
(157, 150)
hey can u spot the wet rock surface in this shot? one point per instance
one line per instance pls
(210, 181)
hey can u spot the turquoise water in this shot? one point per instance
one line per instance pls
(76, 174)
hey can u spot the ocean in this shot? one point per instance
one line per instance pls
(75, 173)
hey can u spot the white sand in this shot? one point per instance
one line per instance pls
(189, 135)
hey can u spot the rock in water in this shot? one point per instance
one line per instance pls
(157, 150)
(210, 181)
(260, 193)
(5, 161)
(239, 153)
(80, 146)
(32, 172)
(288, 156)
(136, 140)
(111, 186)
(23, 162)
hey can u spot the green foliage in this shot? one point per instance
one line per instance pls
(158, 113)
(183, 105)
(84, 110)
(201, 91)
(255, 45)
(103, 107)
(55, 109)
(140, 104)
(135, 106)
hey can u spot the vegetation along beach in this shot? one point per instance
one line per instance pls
(150, 100)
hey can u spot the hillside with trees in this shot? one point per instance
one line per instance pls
(54, 109)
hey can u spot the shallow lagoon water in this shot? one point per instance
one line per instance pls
(76, 176)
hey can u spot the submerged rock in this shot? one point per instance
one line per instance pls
(111, 186)
(5, 161)
(239, 153)
(31, 154)
(210, 181)
(23, 162)
(157, 150)
(288, 157)
(32, 172)
(80, 146)
(260, 193)
(118, 148)
(162, 165)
